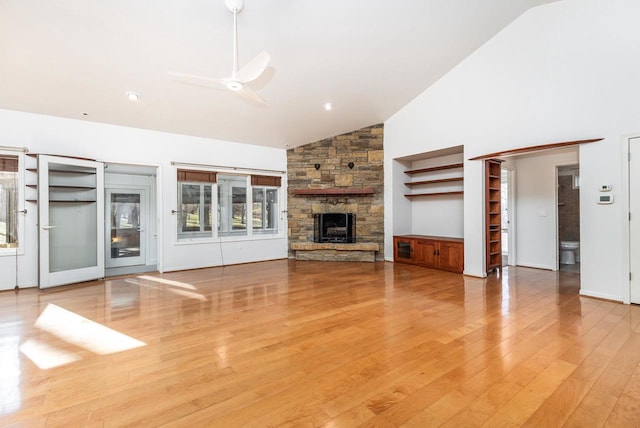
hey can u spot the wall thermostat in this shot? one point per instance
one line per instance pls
(605, 188)
(605, 199)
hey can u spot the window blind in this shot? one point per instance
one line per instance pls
(196, 176)
(8, 163)
(265, 180)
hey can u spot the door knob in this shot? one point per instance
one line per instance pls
(48, 227)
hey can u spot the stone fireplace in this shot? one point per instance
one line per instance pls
(342, 175)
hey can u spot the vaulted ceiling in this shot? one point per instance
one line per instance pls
(78, 58)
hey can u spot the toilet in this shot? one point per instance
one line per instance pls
(568, 252)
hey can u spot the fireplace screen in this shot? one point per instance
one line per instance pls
(334, 227)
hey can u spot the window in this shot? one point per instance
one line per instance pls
(265, 210)
(9, 195)
(232, 205)
(212, 205)
(195, 202)
(265, 203)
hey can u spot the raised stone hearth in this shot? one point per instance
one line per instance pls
(358, 252)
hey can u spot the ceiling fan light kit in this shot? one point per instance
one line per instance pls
(239, 78)
(234, 85)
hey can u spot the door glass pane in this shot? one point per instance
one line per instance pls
(239, 195)
(125, 225)
(271, 209)
(258, 207)
(73, 242)
(208, 214)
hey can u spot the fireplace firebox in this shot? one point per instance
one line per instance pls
(334, 227)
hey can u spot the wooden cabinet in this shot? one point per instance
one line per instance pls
(493, 220)
(433, 252)
(425, 253)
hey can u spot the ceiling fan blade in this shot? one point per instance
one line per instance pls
(251, 95)
(191, 79)
(254, 68)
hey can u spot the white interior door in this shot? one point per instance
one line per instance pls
(634, 222)
(70, 219)
(126, 227)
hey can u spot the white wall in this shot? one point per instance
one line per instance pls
(536, 207)
(561, 72)
(108, 143)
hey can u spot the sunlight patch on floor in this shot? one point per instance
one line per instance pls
(169, 282)
(47, 356)
(164, 283)
(82, 332)
(75, 330)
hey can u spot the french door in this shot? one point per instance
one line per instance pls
(71, 220)
(125, 227)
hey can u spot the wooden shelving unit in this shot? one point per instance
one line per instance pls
(434, 168)
(493, 220)
(434, 183)
(418, 195)
(441, 180)
(434, 192)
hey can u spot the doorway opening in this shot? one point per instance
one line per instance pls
(130, 213)
(568, 185)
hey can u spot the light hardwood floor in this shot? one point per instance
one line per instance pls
(288, 343)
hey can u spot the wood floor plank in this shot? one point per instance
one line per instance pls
(284, 344)
(598, 404)
(626, 412)
(517, 410)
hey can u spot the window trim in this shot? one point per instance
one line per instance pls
(263, 231)
(200, 235)
(248, 205)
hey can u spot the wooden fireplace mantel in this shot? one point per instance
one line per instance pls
(335, 191)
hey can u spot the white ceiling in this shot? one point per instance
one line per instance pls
(368, 57)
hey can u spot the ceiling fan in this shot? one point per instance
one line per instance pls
(239, 78)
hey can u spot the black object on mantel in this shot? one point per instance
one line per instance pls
(334, 227)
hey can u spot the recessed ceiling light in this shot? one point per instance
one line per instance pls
(328, 106)
(133, 96)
